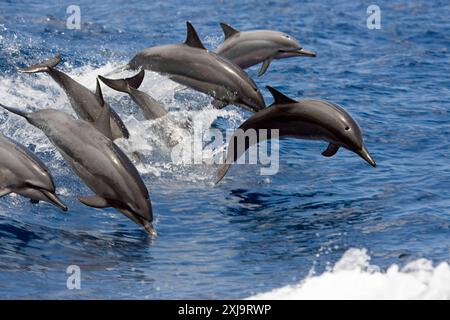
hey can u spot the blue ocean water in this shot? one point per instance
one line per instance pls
(250, 233)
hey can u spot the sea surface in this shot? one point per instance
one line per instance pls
(249, 234)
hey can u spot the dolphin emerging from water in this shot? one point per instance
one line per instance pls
(248, 48)
(192, 65)
(23, 173)
(151, 108)
(309, 119)
(98, 161)
(86, 104)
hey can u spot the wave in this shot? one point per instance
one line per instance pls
(353, 277)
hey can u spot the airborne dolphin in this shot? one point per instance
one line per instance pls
(86, 104)
(23, 173)
(98, 161)
(192, 65)
(151, 108)
(248, 48)
(304, 119)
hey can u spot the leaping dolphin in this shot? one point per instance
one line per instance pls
(98, 161)
(247, 48)
(309, 119)
(23, 173)
(86, 104)
(151, 108)
(192, 65)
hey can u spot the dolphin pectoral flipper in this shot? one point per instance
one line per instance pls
(264, 66)
(4, 192)
(331, 150)
(15, 111)
(94, 201)
(42, 66)
(219, 104)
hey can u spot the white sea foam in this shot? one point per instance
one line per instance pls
(353, 277)
(153, 139)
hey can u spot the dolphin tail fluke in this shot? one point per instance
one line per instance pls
(42, 66)
(124, 85)
(222, 171)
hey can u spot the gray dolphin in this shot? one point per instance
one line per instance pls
(192, 65)
(86, 104)
(248, 48)
(304, 119)
(23, 173)
(98, 161)
(151, 108)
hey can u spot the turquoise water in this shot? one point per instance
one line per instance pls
(250, 233)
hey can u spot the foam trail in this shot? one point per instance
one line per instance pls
(352, 277)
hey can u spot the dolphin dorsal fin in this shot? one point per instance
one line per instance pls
(228, 30)
(192, 38)
(99, 94)
(279, 97)
(103, 122)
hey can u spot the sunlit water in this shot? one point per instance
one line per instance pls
(249, 234)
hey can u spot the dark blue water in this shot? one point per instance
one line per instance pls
(250, 233)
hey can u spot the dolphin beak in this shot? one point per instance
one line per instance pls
(363, 153)
(55, 200)
(306, 53)
(15, 111)
(150, 229)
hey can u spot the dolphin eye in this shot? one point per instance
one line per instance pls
(347, 128)
(286, 36)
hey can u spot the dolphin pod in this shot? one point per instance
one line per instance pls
(87, 144)
(304, 119)
(190, 64)
(23, 173)
(247, 48)
(98, 161)
(86, 105)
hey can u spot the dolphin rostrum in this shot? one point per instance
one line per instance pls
(248, 48)
(309, 119)
(86, 104)
(98, 161)
(151, 108)
(23, 173)
(192, 65)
